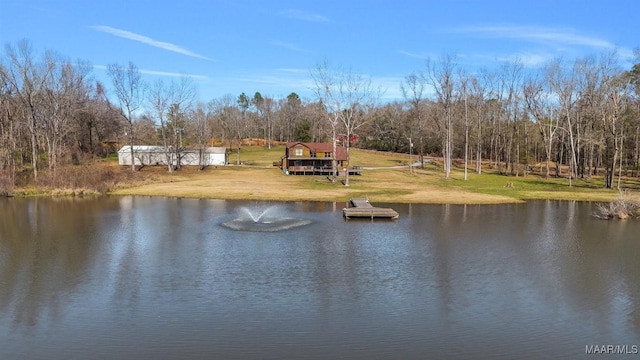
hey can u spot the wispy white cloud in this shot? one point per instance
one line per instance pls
(295, 71)
(530, 59)
(274, 80)
(389, 87)
(147, 40)
(288, 46)
(281, 82)
(163, 73)
(174, 74)
(626, 54)
(536, 34)
(305, 16)
(270, 82)
(548, 43)
(421, 56)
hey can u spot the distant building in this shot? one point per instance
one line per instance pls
(157, 155)
(313, 159)
(209, 156)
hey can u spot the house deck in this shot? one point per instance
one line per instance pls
(362, 208)
(315, 170)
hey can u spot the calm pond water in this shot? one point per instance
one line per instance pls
(157, 278)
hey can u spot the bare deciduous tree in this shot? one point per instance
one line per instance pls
(464, 84)
(28, 77)
(68, 90)
(231, 120)
(8, 133)
(199, 125)
(129, 89)
(346, 96)
(413, 90)
(440, 77)
(538, 104)
(563, 84)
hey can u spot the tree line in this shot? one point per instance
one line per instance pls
(576, 118)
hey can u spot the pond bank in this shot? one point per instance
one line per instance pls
(380, 184)
(422, 186)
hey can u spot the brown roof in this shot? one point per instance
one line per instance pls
(341, 152)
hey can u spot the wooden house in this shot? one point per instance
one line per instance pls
(313, 159)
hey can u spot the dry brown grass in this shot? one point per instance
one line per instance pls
(385, 182)
(97, 177)
(258, 179)
(233, 183)
(259, 183)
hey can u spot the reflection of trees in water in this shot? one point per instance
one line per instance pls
(542, 252)
(594, 263)
(46, 248)
(158, 252)
(584, 263)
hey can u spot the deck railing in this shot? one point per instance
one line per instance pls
(354, 170)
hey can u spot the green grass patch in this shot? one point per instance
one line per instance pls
(529, 187)
(370, 158)
(257, 155)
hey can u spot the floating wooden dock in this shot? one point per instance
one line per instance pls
(362, 208)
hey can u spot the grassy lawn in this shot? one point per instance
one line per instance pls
(257, 155)
(533, 187)
(258, 179)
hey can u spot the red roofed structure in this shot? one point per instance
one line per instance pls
(302, 158)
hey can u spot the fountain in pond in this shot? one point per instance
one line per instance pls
(263, 219)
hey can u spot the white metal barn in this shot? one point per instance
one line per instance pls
(205, 156)
(157, 155)
(142, 154)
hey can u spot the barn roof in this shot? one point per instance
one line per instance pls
(141, 148)
(216, 150)
(154, 148)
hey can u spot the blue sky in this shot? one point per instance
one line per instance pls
(235, 46)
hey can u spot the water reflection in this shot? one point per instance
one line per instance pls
(42, 257)
(138, 277)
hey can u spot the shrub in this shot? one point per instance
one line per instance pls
(83, 179)
(622, 208)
